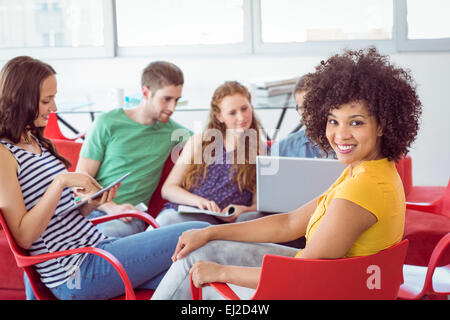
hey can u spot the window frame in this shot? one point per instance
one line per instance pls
(226, 49)
(414, 45)
(253, 40)
(251, 45)
(107, 50)
(312, 47)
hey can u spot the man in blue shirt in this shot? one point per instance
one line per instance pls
(297, 144)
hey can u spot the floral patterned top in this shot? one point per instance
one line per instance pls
(219, 185)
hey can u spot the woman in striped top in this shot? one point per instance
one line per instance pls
(36, 190)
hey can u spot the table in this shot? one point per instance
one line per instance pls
(92, 109)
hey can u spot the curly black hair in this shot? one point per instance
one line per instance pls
(364, 75)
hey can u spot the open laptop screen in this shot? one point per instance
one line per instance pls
(283, 184)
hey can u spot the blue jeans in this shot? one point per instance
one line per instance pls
(29, 294)
(117, 228)
(145, 256)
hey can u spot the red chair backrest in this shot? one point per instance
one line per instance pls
(157, 202)
(404, 169)
(20, 255)
(69, 150)
(17, 251)
(377, 276)
(52, 130)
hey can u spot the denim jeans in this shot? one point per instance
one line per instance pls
(117, 228)
(29, 294)
(176, 283)
(145, 256)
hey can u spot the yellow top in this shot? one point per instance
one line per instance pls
(375, 186)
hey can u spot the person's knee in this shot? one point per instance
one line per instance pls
(108, 229)
(120, 229)
(168, 217)
(206, 252)
(167, 220)
(138, 225)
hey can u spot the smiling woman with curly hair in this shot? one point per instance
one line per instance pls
(387, 92)
(366, 111)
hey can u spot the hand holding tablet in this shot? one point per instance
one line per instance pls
(97, 194)
(100, 192)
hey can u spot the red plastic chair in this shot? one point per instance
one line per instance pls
(69, 150)
(52, 130)
(431, 199)
(440, 206)
(426, 218)
(375, 276)
(424, 231)
(157, 202)
(11, 277)
(27, 262)
(432, 280)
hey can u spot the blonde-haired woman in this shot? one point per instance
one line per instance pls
(216, 169)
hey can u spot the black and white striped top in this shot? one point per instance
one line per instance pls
(65, 231)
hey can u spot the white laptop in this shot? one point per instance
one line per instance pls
(284, 183)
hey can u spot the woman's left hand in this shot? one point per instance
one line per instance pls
(93, 204)
(204, 272)
(107, 196)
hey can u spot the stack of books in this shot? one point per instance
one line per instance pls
(274, 92)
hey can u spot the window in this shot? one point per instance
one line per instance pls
(180, 25)
(428, 19)
(322, 25)
(423, 25)
(304, 20)
(108, 28)
(70, 27)
(51, 23)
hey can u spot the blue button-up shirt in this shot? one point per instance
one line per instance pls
(296, 145)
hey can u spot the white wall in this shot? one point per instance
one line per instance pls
(95, 78)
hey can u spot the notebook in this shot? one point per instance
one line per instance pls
(284, 183)
(188, 209)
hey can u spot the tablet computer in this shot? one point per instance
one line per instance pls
(97, 194)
